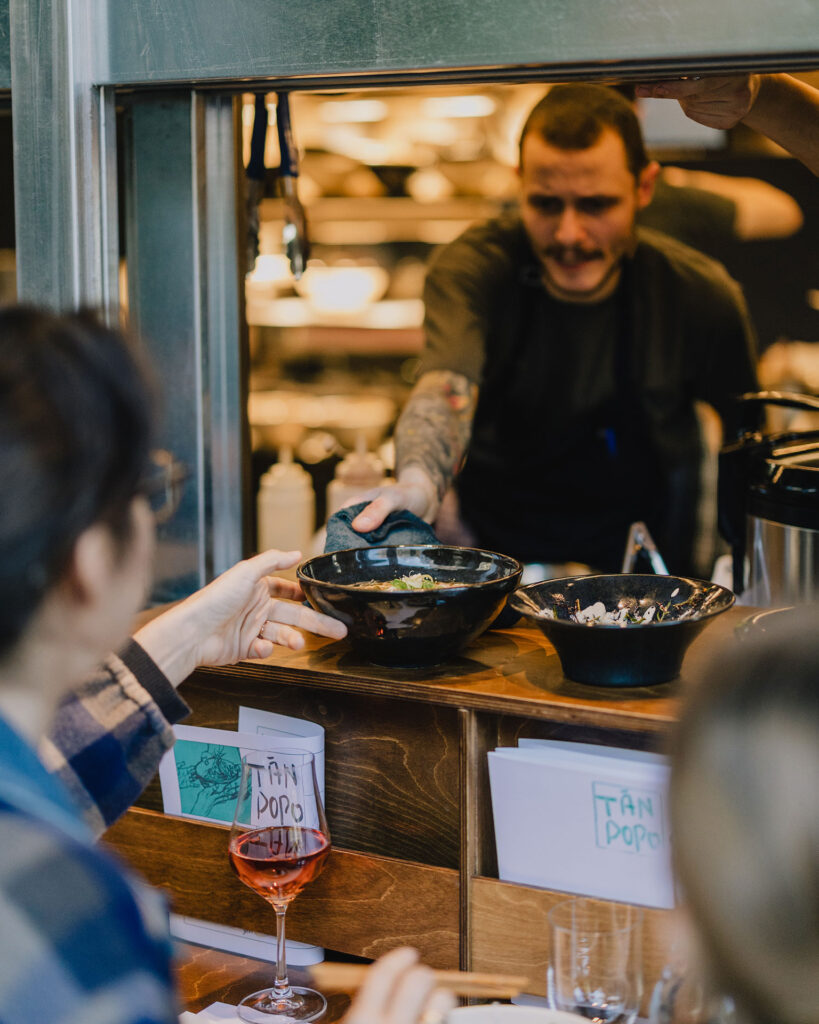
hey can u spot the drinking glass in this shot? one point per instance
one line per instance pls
(683, 996)
(595, 969)
(279, 841)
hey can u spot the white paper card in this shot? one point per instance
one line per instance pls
(300, 733)
(243, 942)
(583, 819)
(200, 774)
(216, 1013)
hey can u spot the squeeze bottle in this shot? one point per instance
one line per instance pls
(358, 471)
(286, 507)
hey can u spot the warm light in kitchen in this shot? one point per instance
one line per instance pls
(352, 111)
(273, 268)
(249, 112)
(458, 106)
(342, 288)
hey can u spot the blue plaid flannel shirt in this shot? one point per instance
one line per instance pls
(81, 938)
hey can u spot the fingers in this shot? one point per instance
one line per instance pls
(674, 89)
(286, 613)
(412, 995)
(717, 102)
(390, 499)
(395, 992)
(267, 562)
(289, 590)
(439, 1004)
(272, 636)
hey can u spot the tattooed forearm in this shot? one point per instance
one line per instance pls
(433, 430)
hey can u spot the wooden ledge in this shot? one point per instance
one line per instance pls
(362, 905)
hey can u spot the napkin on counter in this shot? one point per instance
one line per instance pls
(216, 1013)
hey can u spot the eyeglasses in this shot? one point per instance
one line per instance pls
(163, 484)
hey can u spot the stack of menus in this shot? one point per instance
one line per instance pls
(583, 819)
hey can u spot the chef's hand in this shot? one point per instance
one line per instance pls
(398, 990)
(243, 613)
(719, 102)
(413, 491)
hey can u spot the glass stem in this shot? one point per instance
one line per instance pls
(281, 986)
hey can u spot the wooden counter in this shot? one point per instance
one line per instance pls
(206, 976)
(408, 799)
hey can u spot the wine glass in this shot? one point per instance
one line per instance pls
(279, 841)
(595, 968)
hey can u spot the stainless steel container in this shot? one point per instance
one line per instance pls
(769, 508)
(783, 530)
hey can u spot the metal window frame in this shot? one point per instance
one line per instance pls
(67, 60)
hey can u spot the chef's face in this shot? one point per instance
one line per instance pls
(578, 208)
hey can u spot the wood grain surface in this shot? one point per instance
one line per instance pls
(359, 905)
(408, 790)
(205, 976)
(510, 933)
(513, 671)
(391, 767)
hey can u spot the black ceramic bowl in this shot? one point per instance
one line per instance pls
(417, 627)
(614, 655)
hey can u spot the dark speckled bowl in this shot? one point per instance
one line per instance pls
(637, 655)
(410, 628)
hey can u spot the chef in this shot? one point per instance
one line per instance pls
(565, 350)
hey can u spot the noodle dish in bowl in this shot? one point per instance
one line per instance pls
(410, 605)
(623, 629)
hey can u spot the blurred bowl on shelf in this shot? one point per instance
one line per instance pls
(281, 418)
(631, 654)
(284, 417)
(341, 288)
(350, 416)
(410, 628)
(271, 274)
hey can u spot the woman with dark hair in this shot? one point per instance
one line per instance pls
(80, 938)
(745, 818)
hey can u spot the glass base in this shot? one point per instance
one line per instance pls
(264, 1006)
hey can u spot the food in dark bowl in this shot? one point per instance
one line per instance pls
(438, 598)
(623, 629)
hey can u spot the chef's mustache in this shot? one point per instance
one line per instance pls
(571, 253)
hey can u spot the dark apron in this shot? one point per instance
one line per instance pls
(547, 487)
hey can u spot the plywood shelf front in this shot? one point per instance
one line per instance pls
(408, 796)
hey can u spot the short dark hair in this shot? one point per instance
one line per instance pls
(575, 116)
(76, 413)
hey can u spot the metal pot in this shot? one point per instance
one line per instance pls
(769, 506)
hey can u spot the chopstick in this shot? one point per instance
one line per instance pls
(333, 977)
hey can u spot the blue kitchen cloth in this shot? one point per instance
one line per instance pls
(402, 527)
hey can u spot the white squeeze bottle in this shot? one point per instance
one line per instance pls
(357, 472)
(286, 507)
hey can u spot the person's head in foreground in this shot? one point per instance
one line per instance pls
(584, 174)
(745, 820)
(76, 532)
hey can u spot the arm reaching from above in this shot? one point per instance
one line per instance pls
(777, 105)
(431, 439)
(762, 210)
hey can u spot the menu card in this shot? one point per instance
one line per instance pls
(199, 778)
(583, 819)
